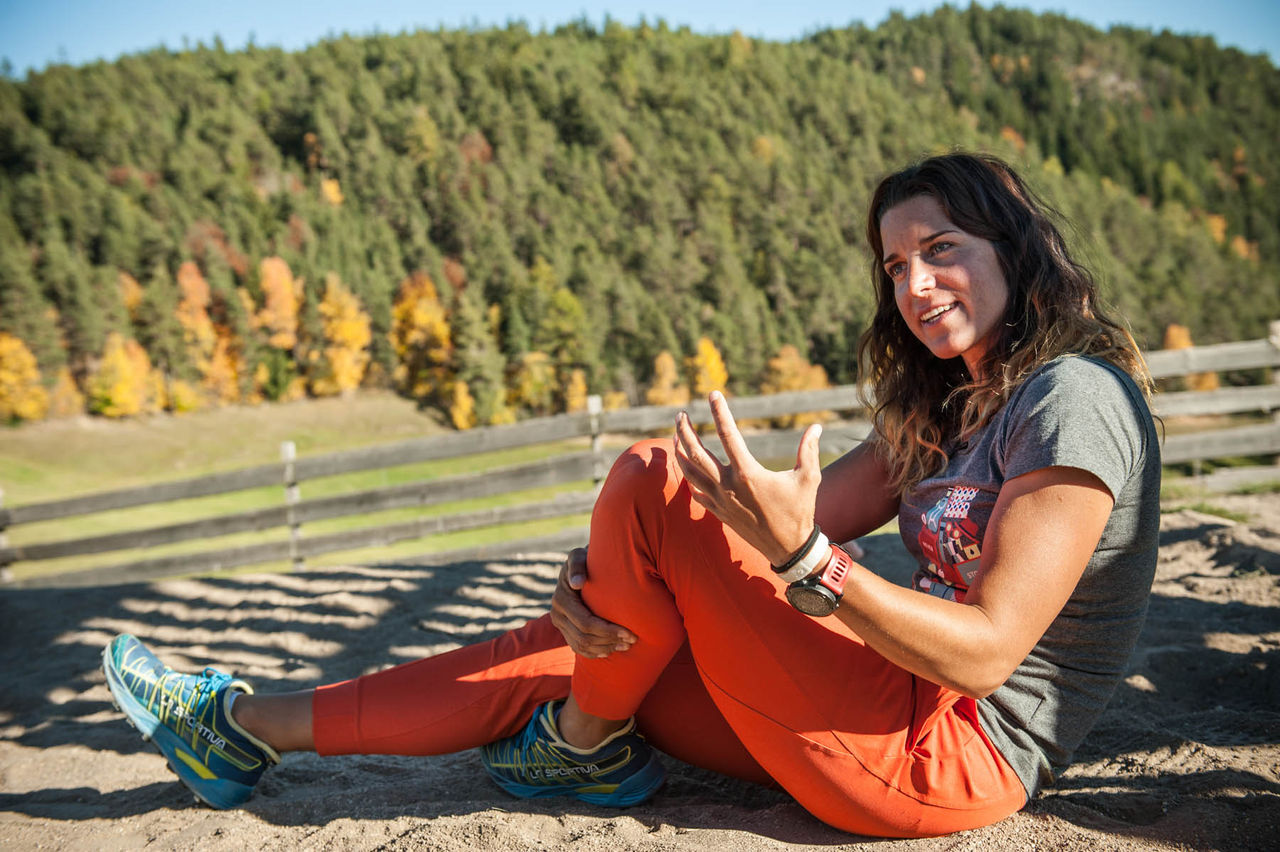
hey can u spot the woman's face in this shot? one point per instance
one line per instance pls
(948, 283)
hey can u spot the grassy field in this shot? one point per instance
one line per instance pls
(58, 459)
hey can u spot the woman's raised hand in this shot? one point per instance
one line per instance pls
(771, 510)
(586, 633)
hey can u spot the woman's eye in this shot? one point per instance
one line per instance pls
(940, 246)
(895, 270)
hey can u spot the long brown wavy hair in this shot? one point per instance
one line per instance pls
(922, 405)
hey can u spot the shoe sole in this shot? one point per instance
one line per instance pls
(637, 788)
(215, 792)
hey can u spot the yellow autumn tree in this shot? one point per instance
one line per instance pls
(130, 293)
(183, 397)
(533, 385)
(666, 387)
(706, 368)
(615, 401)
(462, 406)
(346, 341)
(22, 397)
(575, 391)
(221, 378)
(1178, 336)
(331, 191)
(281, 294)
(124, 383)
(65, 400)
(791, 371)
(421, 339)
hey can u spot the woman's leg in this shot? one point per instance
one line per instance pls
(861, 743)
(484, 692)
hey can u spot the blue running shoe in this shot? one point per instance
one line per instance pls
(621, 771)
(187, 718)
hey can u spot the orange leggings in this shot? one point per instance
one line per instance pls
(724, 675)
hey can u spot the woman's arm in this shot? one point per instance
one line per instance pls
(1045, 526)
(853, 498)
(1043, 530)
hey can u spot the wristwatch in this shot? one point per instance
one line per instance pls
(820, 593)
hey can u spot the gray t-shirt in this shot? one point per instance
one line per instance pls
(1076, 412)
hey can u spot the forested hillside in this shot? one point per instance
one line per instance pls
(498, 222)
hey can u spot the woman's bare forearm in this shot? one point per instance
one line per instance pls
(852, 498)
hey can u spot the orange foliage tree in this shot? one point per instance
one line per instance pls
(22, 397)
(198, 333)
(281, 294)
(790, 371)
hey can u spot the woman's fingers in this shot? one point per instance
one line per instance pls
(585, 632)
(700, 468)
(808, 454)
(575, 568)
(735, 446)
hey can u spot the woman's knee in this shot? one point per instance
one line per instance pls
(647, 470)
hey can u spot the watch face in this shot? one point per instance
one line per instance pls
(811, 600)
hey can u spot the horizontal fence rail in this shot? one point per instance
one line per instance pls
(194, 563)
(777, 446)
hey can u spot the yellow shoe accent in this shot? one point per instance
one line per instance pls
(200, 768)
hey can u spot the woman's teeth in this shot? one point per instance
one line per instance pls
(936, 312)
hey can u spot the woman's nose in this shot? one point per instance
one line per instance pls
(919, 277)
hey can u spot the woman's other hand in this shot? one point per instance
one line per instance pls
(586, 633)
(772, 510)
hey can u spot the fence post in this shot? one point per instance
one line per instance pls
(1273, 335)
(594, 408)
(289, 454)
(6, 573)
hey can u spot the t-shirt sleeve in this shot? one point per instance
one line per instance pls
(1074, 413)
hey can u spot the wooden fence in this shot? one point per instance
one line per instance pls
(1261, 439)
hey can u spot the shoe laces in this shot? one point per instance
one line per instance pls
(208, 682)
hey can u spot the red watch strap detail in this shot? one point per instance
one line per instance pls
(836, 572)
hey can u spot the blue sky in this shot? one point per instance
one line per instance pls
(34, 34)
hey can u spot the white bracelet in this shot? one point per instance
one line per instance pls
(808, 563)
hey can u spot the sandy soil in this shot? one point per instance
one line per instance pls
(1188, 755)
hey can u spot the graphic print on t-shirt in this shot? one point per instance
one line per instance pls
(950, 541)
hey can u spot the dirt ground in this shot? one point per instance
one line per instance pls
(1187, 756)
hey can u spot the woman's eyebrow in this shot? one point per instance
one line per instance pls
(923, 240)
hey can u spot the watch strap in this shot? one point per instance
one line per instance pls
(836, 572)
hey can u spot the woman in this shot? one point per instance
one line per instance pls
(1012, 442)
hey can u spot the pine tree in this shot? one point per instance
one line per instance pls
(159, 331)
(477, 360)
